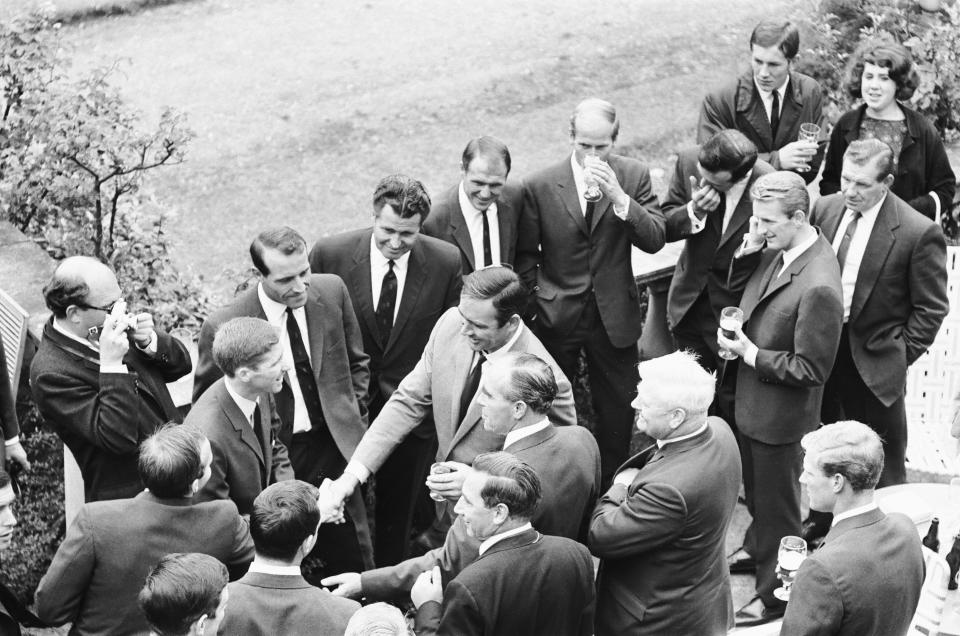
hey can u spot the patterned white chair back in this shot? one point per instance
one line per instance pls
(933, 595)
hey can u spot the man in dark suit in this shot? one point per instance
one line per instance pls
(184, 594)
(580, 218)
(400, 283)
(523, 582)
(11, 449)
(770, 102)
(485, 325)
(237, 415)
(99, 377)
(98, 570)
(514, 401)
(660, 529)
(273, 597)
(867, 577)
(792, 314)
(479, 215)
(323, 401)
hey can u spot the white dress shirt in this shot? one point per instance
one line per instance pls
(247, 407)
(767, 96)
(853, 512)
(581, 184)
(855, 251)
(489, 542)
(731, 201)
(518, 434)
(379, 266)
(277, 570)
(277, 316)
(663, 442)
(474, 219)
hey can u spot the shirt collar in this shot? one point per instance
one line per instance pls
(739, 187)
(491, 541)
(577, 173)
(281, 570)
(794, 252)
(874, 210)
(782, 89)
(379, 261)
(467, 208)
(519, 433)
(853, 512)
(505, 349)
(62, 330)
(247, 407)
(272, 309)
(663, 442)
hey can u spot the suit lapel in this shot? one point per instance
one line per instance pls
(532, 440)
(463, 356)
(831, 221)
(505, 223)
(881, 241)
(750, 105)
(751, 295)
(570, 198)
(315, 310)
(241, 425)
(461, 234)
(412, 285)
(741, 214)
(360, 273)
(521, 540)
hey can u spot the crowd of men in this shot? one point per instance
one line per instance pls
(427, 361)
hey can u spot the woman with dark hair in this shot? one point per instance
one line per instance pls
(883, 75)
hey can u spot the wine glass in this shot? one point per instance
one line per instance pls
(592, 191)
(438, 468)
(731, 319)
(809, 132)
(793, 550)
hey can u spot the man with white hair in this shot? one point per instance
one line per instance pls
(660, 529)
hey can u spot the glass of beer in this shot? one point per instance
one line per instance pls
(793, 550)
(438, 469)
(809, 132)
(593, 192)
(731, 319)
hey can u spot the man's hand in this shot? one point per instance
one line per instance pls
(342, 488)
(740, 345)
(607, 180)
(114, 343)
(626, 476)
(449, 485)
(797, 155)
(16, 453)
(143, 332)
(705, 197)
(331, 507)
(347, 584)
(753, 240)
(427, 588)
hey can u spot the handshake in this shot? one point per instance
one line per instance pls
(330, 501)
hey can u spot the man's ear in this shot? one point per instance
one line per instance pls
(200, 625)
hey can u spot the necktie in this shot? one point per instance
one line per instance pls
(588, 215)
(487, 253)
(301, 363)
(847, 238)
(470, 388)
(725, 215)
(257, 423)
(775, 115)
(388, 300)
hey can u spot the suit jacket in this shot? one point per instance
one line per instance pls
(9, 424)
(706, 256)
(737, 104)
(551, 594)
(864, 581)
(340, 366)
(241, 468)
(431, 287)
(796, 326)
(446, 222)
(8, 626)
(900, 298)
(271, 604)
(663, 566)
(563, 260)
(435, 385)
(103, 417)
(110, 547)
(568, 462)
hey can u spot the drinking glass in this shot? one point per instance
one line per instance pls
(793, 550)
(592, 192)
(437, 469)
(731, 319)
(809, 132)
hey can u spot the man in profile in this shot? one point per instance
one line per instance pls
(867, 576)
(479, 215)
(769, 103)
(185, 595)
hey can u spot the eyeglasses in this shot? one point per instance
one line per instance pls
(105, 308)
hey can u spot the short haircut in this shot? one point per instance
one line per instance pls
(377, 619)
(66, 287)
(885, 54)
(787, 187)
(863, 151)
(283, 516)
(849, 448)
(678, 381)
(170, 459)
(500, 284)
(180, 589)
(779, 33)
(406, 196)
(285, 240)
(728, 150)
(243, 342)
(510, 481)
(529, 380)
(489, 147)
(597, 107)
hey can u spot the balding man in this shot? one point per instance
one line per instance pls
(99, 377)
(580, 218)
(479, 215)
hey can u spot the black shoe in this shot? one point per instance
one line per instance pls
(756, 613)
(745, 564)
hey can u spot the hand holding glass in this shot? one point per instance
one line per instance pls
(793, 550)
(731, 319)
(592, 192)
(809, 133)
(438, 469)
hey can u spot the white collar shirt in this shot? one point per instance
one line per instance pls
(855, 251)
(379, 266)
(491, 541)
(276, 570)
(474, 219)
(518, 434)
(579, 181)
(277, 316)
(247, 407)
(663, 442)
(767, 96)
(853, 512)
(794, 252)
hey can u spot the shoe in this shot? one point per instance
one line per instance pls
(744, 564)
(756, 613)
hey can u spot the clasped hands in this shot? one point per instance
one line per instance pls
(330, 502)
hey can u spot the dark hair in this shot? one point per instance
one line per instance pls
(863, 151)
(64, 289)
(781, 34)
(885, 54)
(599, 107)
(500, 284)
(728, 150)
(284, 514)
(531, 381)
(180, 589)
(242, 342)
(284, 239)
(510, 481)
(406, 196)
(170, 459)
(489, 147)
